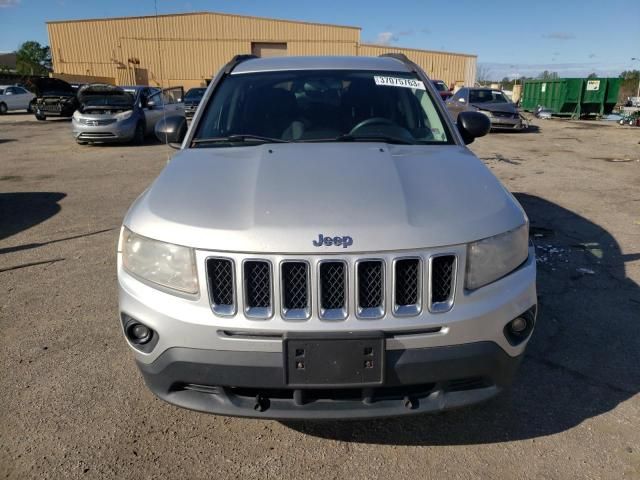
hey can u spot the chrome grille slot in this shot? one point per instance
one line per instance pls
(407, 286)
(295, 286)
(257, 288)
(370, 288)
(333, 290)
(442, 282)
(220, 275)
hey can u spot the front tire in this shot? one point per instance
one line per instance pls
(31, 107)
(40, 117)
(3, 108)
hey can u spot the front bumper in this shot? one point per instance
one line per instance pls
(117, 132)
(55, 109)
(220, 365)
(252, 384)
(503, 123)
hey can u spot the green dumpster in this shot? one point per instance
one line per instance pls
(572, 97)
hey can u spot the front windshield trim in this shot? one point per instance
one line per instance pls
(223, 102)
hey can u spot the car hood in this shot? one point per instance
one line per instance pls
(280, 197)
(101, 95)
(497, 107)
(45, 86)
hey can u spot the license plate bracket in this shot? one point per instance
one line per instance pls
(328, 360)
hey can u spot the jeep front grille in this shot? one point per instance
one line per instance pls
(329, 288)
(370, 288)
(407, 286)
(221, 285)
(295, 286)
(257, 288)
(442, 269)
(333, 290)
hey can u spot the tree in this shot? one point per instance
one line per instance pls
(630, 75)
(33, 58)
(592, 75)
(483, 73)
(547, 75)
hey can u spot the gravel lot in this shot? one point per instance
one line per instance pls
(72, 403)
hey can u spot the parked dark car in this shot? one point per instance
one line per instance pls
(54, 98)
(442, 88)
(192, 100)
(502, 112)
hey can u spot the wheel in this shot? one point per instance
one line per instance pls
(3, 108)
(40, 117)
(30, 108)
(631, 122)
(138, 136)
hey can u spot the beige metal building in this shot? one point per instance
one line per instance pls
(188, 49)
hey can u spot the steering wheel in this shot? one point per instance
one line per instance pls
(371, 121)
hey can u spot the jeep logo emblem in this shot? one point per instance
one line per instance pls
(336, 241)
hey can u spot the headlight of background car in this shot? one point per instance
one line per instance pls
(124, 115)
(494, 257)
(169, 265)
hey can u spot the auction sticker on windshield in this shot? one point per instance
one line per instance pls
(399, 82)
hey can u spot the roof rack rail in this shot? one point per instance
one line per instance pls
(235, 61)
(403, 58)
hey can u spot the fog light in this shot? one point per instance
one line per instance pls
(520, 328)
(139, 334)
(518, 325)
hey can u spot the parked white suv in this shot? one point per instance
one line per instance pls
(324, 245)
(14, 97)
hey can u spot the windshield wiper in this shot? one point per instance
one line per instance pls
(238, 138)
(375, 138)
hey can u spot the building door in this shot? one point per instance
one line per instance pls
(264, 49)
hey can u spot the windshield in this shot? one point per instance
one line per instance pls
(323, 105)
(195, 94)
(487, 96)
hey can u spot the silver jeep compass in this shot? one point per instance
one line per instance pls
(324, 245)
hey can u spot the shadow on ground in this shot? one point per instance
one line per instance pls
(22, 210)
(581, 362)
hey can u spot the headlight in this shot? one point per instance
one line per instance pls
(169, 265)
(124, 115)
(486, 112)
(494, 257)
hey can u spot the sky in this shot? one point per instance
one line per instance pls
(516, 38)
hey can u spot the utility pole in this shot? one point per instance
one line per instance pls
(638, 92)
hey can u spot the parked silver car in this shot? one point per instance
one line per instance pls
(324, 245)
(15, 97)
(502, 112)
(107, 113)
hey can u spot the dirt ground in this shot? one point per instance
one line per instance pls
(72, 403)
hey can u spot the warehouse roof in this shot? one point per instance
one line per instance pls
(270, 64)
(408, 49)
(207, 13)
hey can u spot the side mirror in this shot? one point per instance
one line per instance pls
(461, 100)
(472, 125)
(150, 104)
(171, 130)
(8, 93)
